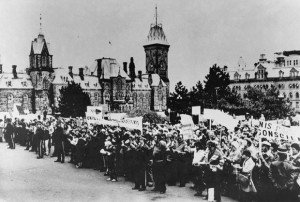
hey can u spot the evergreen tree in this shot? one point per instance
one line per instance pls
(73, 101)
(215, 85)
(268, 103)
(179, 100)
(197, 95)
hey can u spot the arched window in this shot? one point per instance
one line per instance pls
(106, 98)
(291, 95)
(45, 84)
(10, 98)
(141, 98)
(119, 84)
(237, 76)
(297, 95)
(25, 98)
(281, 73)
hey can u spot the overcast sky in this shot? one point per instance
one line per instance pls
(200, 32)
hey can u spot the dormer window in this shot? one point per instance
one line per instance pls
(281, 73)
(237, 76)
(293, 73)
(247, 75)
(261, 72)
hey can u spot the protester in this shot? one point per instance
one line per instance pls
(238, 163)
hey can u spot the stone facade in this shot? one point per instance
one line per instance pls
(283, 73)
(105, 80)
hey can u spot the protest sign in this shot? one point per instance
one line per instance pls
(91, 118)
(196, 110)
(132, 123)
(187, 126)
(275, 131)
(95, 111)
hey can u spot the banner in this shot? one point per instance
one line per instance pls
(95, 111)
(91, 118)
(275, 131)
(133, 123)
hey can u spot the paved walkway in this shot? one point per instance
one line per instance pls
(25, 178)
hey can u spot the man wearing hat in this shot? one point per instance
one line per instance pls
(40, 139)
(261, 179)
(59, 142)
(295, 158)
(9, 134)
(282, 174)
(159, 161)
(215, 161)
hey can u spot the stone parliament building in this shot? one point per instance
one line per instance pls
(282, 73)
(105, 81)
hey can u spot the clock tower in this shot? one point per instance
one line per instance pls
(156, 49)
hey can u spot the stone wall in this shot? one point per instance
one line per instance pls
(19, 96)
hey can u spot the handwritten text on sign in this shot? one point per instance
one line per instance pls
(275, 131)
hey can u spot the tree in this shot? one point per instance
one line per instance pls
(267, 102)
(231, 102)
(73, 101)
(148, 116)
(215, 85)
(179, 100)
(196, 95)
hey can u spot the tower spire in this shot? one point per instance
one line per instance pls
(156, 15)
(41, 31)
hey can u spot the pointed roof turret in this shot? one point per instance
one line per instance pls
(156, 34)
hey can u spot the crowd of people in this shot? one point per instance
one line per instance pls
(217, 161)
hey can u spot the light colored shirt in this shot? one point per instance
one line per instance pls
(198, 156)
(248, 165)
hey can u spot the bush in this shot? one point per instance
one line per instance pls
(148, 116)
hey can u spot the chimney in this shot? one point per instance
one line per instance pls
(14, 71)
(81, 74)
(71, 71)
(132, 69)
(262, 57)
(99, 70)
(225, 68)
(125, 67)
(140, 75)
(1, 69)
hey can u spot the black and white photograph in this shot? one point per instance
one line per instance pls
(149, 100)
